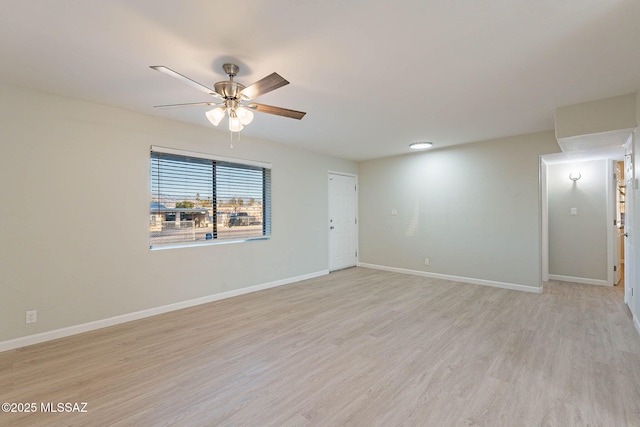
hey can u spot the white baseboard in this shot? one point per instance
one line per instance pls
(99, 324)
(503, 285)
(582, 280)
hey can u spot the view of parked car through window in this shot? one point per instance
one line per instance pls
(198, 200)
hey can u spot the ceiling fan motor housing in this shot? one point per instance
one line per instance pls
(229, 89)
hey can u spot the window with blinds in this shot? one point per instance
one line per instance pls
(199, 200)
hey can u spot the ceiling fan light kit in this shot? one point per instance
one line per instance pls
(236, 98)
(234, 122)
(245, 115)
(216, 115)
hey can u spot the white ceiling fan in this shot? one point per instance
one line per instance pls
(236, 99)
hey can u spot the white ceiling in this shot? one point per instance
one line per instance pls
(373, 76)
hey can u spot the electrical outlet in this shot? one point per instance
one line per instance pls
(32, 316)
(427, 262)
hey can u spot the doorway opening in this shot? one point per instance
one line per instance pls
(582, 219)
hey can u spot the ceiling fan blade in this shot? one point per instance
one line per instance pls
(272, 82)
(194, 84)
(189, 104)
(278, 111)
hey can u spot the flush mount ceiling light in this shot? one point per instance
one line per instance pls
(235, 97)
(421, 145)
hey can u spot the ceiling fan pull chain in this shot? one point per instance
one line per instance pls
(231, 135)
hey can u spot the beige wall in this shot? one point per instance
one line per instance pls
(74, 240)
(602, 115)
(473, 210)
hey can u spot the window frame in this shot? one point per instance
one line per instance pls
(227, 162)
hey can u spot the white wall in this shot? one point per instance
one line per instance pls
(473, 210)
(74, 239)
(578, 243)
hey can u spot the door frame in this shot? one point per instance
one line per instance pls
(629, 209)
(612, 227)
(357, 225)
(544, 222)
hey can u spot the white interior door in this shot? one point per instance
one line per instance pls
(342, 221)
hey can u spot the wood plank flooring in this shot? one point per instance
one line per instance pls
(357, 347)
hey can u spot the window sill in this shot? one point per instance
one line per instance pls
(208, 243)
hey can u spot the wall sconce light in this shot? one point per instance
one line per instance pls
(574, 176)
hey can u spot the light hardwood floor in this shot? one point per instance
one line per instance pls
(357, 347)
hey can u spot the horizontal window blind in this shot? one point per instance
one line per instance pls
(200, 200)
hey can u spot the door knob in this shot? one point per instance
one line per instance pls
(623, 235)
